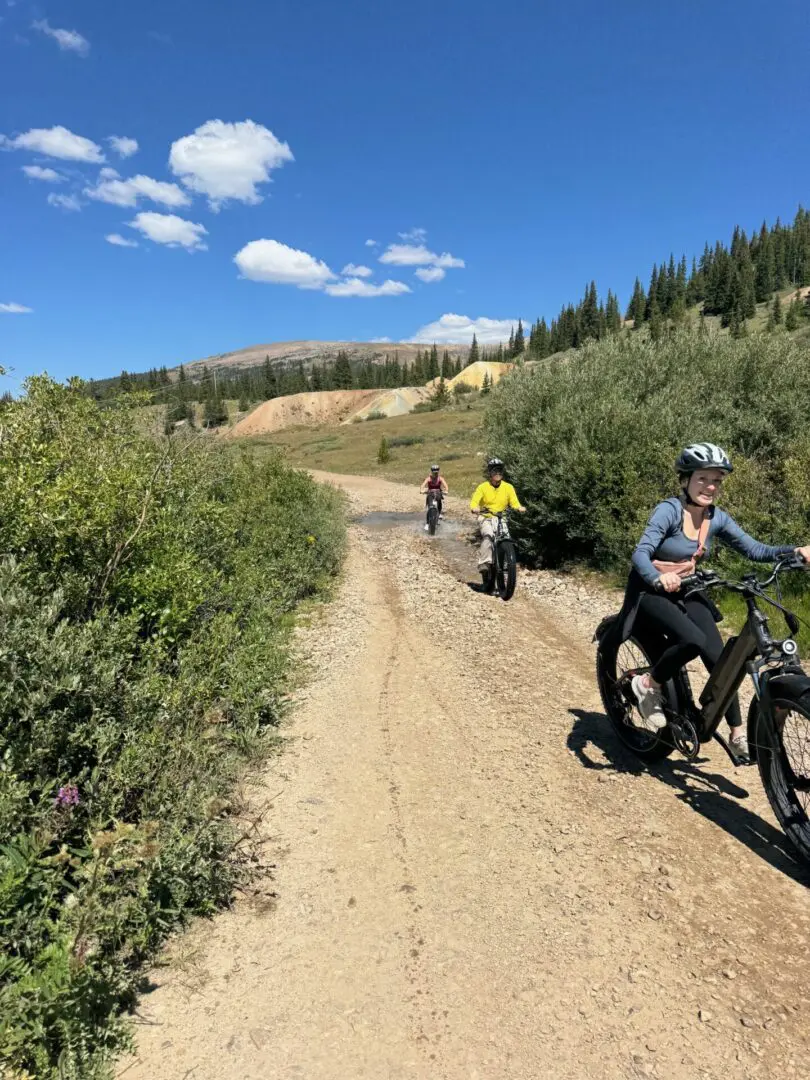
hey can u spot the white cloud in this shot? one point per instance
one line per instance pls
(120, 241)
(459, 329)
(56, 142)
(371, 243)
(111, 189)
(123, 146)
(15, 309)
(413, 236)
(448, 261)
(418, 255)
(171, 230)
(227, 161)
(350, 270)
(356, 287)
(277, 264)
(67, 40)
(64, 202)
(430, 273)
(407, 255)
(36, 172)
(381, 341)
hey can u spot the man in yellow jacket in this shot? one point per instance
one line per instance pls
(491, 497)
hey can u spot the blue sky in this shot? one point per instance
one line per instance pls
(499, 154)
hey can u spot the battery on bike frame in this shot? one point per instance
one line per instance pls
(729, 672)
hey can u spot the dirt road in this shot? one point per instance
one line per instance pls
(473, 880)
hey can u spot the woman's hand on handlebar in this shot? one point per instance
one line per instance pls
(804, 553)
(670, 582)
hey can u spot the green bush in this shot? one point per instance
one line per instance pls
(590, 439)
(383, 453)
(406, 440)
(146, 589)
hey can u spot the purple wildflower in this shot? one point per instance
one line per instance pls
(67, 797)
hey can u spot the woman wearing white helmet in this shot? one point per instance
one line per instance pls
(680, 533)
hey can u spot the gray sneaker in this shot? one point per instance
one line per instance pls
(650, 705)
(740, 748)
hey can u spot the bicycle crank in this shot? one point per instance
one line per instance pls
(685, 737)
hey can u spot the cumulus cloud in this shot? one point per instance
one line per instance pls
(15, 309)
(278, 264)
(371, 243)
(123, 146)
(350, 270)
(111, 189)
(171, 230)
(459, 329)
(36, 172)
(357, 287)
(430, 273)
(56, 142)
(228, 161)
(67, 40)
(120, 241)
(418, 255)
(64, 202)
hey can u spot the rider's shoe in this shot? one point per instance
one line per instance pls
(487, 583)
(427, 527)
(650, 704)
(739, 747)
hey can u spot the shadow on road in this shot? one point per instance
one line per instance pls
(708, 793)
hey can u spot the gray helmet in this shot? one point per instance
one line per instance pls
(703, 455)
(494, 465)
(434, 468)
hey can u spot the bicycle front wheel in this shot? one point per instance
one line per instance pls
(781, 740)
(506, 569)
(433, 520)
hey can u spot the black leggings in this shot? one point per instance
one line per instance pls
(687, 635)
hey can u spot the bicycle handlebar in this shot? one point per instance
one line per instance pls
(702, 580)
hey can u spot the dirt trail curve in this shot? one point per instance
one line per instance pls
(473, 880)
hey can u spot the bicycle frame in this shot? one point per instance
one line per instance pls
(744, 654)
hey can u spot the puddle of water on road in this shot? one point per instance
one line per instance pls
(452, 538)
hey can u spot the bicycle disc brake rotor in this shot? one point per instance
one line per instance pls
(685, 737)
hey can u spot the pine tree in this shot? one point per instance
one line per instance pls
(765, 273)
(776, 310)
(473, 354)
(656, 322)
(383, 452)
(637, 308)
(441, 395)
(486, 385)
(793, 318)
(519, 344)
(342, 371)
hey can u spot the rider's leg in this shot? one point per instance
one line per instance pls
(486, 526)
(686, 639)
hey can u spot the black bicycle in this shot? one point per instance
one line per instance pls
(434, 509)
(779, 716)
(502, 574)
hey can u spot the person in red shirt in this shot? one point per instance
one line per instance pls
(434, 481)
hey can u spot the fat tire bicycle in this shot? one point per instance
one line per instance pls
(433, 503)
(778, 718)
(502, 573)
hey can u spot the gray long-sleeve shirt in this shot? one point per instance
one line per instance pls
(664, 539)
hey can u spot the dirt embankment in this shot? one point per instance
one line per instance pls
(473, 881)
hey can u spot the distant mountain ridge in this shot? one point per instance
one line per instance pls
(290, 353)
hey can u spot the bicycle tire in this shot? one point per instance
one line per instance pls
(433, 519)
(783, 757)
(646, 745)
(506, 569)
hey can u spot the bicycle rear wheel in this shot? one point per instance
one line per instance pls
(782, 744)
(505, 569)
(648, 745)
(433, 519)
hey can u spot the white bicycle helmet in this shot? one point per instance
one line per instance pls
(703, 455)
